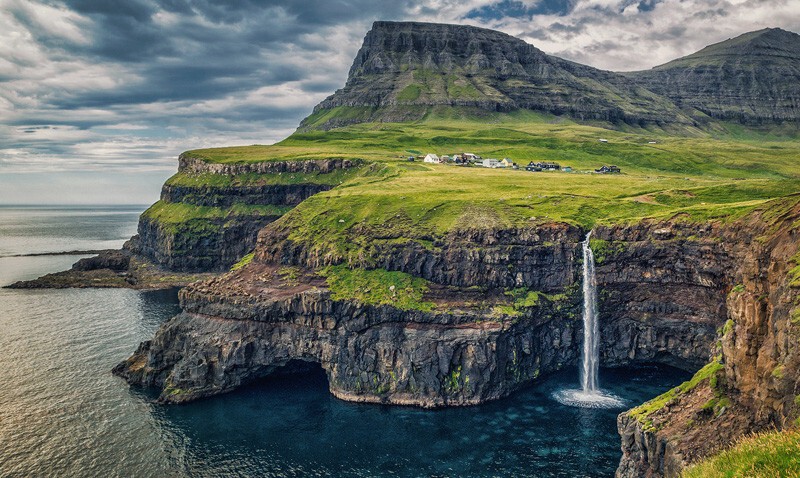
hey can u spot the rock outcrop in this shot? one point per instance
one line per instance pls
(247, 326)
(471, 347)
(752, 383)
(210, 213)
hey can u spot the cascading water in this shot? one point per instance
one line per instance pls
(589, 395)
(591, 329)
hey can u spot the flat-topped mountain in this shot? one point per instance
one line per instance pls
(753, 78)
(405, 68)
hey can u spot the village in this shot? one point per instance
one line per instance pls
(470, 159)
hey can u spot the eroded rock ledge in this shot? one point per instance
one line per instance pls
(245, 326)
(467, 349)
(752, 382)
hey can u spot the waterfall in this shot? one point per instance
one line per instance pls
(591, 328)
(589, 395)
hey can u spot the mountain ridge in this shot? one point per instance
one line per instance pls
(405, 69)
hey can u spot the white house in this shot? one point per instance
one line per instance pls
(431, 158)
(490, 163)
(471, 157)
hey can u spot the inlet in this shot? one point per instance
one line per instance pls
(589, 395)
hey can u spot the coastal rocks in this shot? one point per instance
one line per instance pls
(663, 285)
(247, 324)
(208, 223)
(232, 334)
(214, 245)
(114, 260)
(756, 367)
(540, 258)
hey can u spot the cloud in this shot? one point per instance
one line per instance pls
(92, 85)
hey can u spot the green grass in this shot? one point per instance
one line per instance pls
(696, 177)
(642, 412)
(247, 259)
(333, 178)
(201, 220)
(766, 455)
(409, 93)
(377, 287)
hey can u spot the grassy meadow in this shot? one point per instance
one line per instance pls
(698, 175)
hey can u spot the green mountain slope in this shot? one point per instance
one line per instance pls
(753, 78)
(404, 69)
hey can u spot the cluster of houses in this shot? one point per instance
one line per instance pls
(462, 159)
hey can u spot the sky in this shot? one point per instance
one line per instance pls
(98, 97)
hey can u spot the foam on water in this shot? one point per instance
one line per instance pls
(575, 397)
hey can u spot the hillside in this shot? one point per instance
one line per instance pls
(405, 68)
(752, 79)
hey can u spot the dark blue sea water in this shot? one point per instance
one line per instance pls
(62, 413)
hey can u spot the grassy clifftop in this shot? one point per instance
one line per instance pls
(390, 199)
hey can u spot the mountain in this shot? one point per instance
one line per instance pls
(753, 78)
(403, 69)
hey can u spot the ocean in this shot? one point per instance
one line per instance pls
(64, 414)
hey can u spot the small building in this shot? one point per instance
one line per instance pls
(445, 159)
(507, 163)
(431, 158)
(608, 170)
(567, 169)
(470, 157)
(533, 167)
(548, 166)
(603, 140)
(491, 163)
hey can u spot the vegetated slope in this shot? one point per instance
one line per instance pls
(766, 455)
(404, 68)
(701, 177)
(753, 78)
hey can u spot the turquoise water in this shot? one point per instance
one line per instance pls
(64, 414)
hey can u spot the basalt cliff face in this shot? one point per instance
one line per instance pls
(404, 68)
(208, 218)
(672, 292)
(468, 349)
(752, 383)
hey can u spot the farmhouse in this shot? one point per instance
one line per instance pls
(542, 166)
(507, 163)
(608, 170)
(431, 158)
(532, 167)
(491, 163)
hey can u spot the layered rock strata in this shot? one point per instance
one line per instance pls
(752, 383)
(403, 68)
(467, 349)
(210, 223)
